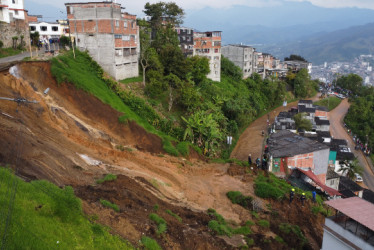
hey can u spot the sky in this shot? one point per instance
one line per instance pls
(136, 6)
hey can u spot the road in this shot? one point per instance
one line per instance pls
(338, 131)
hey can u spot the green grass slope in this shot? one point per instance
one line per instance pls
(86, 74)
(47, 217)
(330, 102)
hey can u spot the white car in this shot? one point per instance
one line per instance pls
(358, 177)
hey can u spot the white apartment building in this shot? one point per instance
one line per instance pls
(11, 9)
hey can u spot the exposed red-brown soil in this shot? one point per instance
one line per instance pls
(71, 138)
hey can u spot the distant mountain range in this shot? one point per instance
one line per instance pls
(341, 45)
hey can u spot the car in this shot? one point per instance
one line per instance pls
(358, 178)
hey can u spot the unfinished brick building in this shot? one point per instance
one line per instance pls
(110, 36)
(208, 44)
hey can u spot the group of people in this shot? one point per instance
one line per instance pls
(302, 196)
(361, 146)
(260, 164)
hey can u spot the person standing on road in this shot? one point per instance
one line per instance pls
(250, 159)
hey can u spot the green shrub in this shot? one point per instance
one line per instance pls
(150, 243)
(174, 215)
(237, 197)
(108, 177)
(249, 223)
(250, 242)
(1, 44)
(220, 229)
(160, 222)
(67, 206)
(293, 231)
(279, 239)
(97, 229)
(255, 214)
(184, 148)
(113, 206)
(169, 148)
(263, 223)
(156, 207)
(245, 230)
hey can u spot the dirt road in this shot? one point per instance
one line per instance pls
(337, 131)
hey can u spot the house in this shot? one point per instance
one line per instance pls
(349, 188)
(48, 30)
(322, 124)
(110, 36)
(296, 66)
(332, 179)
(13, 22)
(242, 56)
(284, 120)
(321, 111)
(289, 151)
(351, 226)
(185, 36)
(208, 44)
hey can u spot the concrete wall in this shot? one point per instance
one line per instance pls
(241, 56)
(333, 183)
(15, 28)
(321, 160)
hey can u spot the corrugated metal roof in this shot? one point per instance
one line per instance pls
(357, 209)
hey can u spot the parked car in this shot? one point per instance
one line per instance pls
(358, 178)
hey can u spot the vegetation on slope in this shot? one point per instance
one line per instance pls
(47, 217)
(330, 102)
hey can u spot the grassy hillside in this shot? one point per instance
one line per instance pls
(330, 102)
(47, 217)
(86, 74)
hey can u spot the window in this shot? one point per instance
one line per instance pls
(133, 51)
(188, 31)
(183, 38)
(118, 36)
(117, 23)
(54, 28)
(14, 1)
(245, 56)
(133, 37)
(33, 28)
(43, 28)
(118, 52)
(16, 12)
(125, 24)
(126, 52)
(216, 50)
(126, 38)
(216, 58)
(217, 43)
(133, 25)
(188, 39)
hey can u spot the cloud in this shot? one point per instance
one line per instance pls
(136, 7)
(364, 4)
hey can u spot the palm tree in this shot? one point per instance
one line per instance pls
(350, 169)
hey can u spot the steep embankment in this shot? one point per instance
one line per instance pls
(72, 138)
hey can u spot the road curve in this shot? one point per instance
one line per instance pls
(338, 131)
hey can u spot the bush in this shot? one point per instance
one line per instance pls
(113, 206)
(108, 177)
(220, 229)
(67, 206)
(150, 243)
(160, 222)
(266, 190)
(293, 233)
(168, 211)
(1, 44)
(184, 148)
(237, 197)
(169, 148)
(245, 230)
(263, 223)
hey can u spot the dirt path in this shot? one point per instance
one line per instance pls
(337, 130)
(250, 142)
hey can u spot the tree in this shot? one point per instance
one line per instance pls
(35, 38)
(145, 44)
(302, 123)
(295, 58)
(230, 69)
(350, 82)
(162, 12)
(350, 169)
(65, 41)
(199, 68)
(173, 82)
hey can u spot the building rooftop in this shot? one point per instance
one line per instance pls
(356, 208)
(303, 109)
(368, 195)
(347, 184)
(285, 143)
(331, 174)
(306, 101)
(320, 121)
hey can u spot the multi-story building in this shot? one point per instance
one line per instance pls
(13, 22)
(296, 66)
(12, 9)
(208, 44)
(48, 30)
(110, 36)
(185, 36)
(242, 56)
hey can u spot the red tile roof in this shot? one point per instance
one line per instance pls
(312, 176)
(357, 209)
